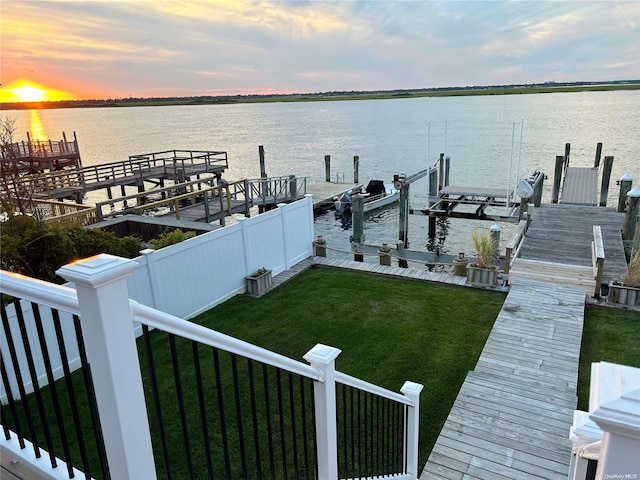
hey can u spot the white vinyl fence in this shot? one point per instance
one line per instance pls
(193, 276)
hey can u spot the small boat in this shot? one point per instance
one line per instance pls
(378, 194)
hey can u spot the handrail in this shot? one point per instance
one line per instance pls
(597, 259)
(371, 388)
(514, 246)
(27, 288)
(193, 331)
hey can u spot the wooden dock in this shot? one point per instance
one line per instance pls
(325, 192)
(512, 415)
(557, 246)
(580, 186)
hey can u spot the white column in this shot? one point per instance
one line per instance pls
(412, 391)
(107, 327)
(620, 422)
(323, 358)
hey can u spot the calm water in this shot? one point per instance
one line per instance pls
(390, 136)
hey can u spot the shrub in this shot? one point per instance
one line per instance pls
(171, 238)
(38, 250)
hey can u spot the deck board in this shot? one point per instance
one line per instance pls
(580, 186)
(512, 415)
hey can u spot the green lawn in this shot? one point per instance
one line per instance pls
(609, 336)
(389, 331)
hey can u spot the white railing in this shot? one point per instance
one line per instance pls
(193, 276)
(108, 317)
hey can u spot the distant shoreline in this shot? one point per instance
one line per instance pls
(327, 96)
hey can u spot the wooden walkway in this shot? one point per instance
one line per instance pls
(580, 186)
(512, 415)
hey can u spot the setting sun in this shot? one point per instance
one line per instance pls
(30, 92)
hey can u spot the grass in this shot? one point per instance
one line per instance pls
(389, 331)
(609, 336)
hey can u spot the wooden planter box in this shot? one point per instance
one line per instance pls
(259, 285)
(623, 295)
(482, 276)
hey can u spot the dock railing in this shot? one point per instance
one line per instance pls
(514, 246)
(257, 410)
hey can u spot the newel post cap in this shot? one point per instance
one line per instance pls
(97, 270)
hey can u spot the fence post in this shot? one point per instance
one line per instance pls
(284, 213)
(412, 391)
(323, 358)
(107, 325)
(620, 422)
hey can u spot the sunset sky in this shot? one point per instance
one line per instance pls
(138, 48)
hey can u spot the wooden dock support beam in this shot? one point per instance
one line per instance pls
(403, 230)
(557, 178)
(433, 198)
(606, 177)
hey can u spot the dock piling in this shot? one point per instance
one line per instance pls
(557, 178)
(626, 183)
(631, 214)
(320, 247)
(356, 168)
(327, 168)
(567, 152)
(358, 225)
(606, 176)
(596, 163)
(384, 254)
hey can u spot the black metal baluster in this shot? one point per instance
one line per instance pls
(236, 390)
(366, 437)
(315, 431)
(267, 402)
(54, 398)
(202, 405)
(254, 417)
(71, 393)
(223, 424)
(406, 435)
(345, 454)
(294, 437)
(180, 398)
(19, 380)
(12, 406)
(304, 428)
(359, 437)
(353, 440)
(281, 419)
(146, 336)
(378, 427)
(91, 398)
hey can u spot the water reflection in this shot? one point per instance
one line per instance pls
(437, 241)
(36, 128)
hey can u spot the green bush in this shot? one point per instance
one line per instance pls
(171, 238)
(38, 250)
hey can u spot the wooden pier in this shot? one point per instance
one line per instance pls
(557, 246)
(40, 156)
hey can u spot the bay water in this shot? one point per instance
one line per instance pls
(481, 134)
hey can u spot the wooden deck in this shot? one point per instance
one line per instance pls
(512, 415)
(324, 192)
(580, 186)
(562, 234)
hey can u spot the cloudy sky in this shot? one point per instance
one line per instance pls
(123, 48)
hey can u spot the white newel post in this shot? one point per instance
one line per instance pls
(412, 391)
(620, 422)
(107, 326)
(323, 358)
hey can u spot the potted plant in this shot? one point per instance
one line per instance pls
(259, 282)
(627, 293)
(483, 272)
